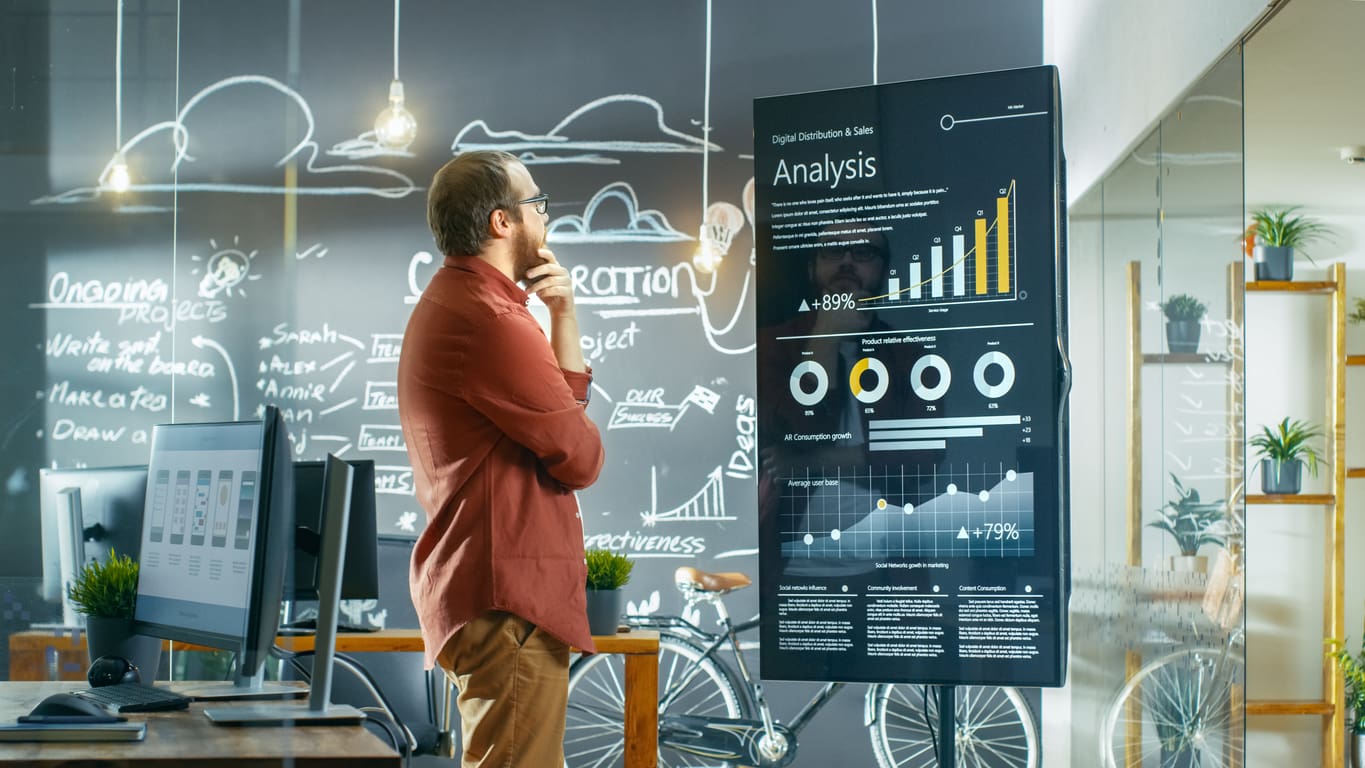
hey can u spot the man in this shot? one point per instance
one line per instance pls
(495, 424)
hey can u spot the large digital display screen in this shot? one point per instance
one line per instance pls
(911, 382)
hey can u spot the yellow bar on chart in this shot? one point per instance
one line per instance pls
(983, 258)
(1002, 244)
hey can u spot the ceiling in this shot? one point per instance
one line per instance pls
(1304, 80)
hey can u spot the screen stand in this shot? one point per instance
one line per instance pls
(240, 688)
(71, 535)
(320, 710)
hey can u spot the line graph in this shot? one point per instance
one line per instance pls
(968, 510)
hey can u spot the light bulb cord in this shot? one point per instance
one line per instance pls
(118, 80)
(395, 39)
(874, 42)
(706, 117)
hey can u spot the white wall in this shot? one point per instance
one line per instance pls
(1123, 64)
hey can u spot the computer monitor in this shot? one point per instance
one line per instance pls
(215, 537)
(360, 574)
(338, 483)
(103, 506)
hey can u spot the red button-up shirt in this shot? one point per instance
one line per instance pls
(499, 440)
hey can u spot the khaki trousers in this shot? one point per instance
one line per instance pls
(514, 688)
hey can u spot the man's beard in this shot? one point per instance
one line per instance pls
(527, 252)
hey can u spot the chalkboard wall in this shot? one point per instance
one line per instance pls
(264, 255)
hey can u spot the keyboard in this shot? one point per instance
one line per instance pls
(132, 697)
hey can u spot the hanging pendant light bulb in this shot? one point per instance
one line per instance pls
(395, 128)
(117, 178)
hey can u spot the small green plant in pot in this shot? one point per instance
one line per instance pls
(107, 594)
(1284, 451)
(1352, 670)
(607, 573)
(1183, 313)
(1279, 232)
(1192, 523)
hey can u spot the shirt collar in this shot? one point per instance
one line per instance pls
(485, 271)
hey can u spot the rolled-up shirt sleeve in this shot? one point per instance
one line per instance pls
(532, 400)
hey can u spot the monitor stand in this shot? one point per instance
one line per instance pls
(240, 688)
(320, 710)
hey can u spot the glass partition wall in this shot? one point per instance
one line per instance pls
(1157, 670)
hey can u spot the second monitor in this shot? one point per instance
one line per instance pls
(360, 573)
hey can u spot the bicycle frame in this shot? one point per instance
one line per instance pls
(774, 744)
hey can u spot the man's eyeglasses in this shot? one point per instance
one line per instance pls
(861, 253)
(541, 202)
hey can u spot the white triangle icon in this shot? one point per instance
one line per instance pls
(962, 534)
(804, 306)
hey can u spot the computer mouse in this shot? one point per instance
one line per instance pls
(112, 670)
(67, 705)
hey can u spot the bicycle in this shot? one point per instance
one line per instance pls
(712, 713)
(1184, 709)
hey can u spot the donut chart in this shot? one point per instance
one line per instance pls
(945, 377)
(855, 379)
(821, 383)
(1006, 366)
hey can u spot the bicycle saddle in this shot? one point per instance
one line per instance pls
(720, 583)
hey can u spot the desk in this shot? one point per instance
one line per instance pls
(178, 738)
(29, 653)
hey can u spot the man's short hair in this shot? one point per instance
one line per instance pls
(463, 194)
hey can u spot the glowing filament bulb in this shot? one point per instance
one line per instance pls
(395, 127)
(707, 257)
(117, 177)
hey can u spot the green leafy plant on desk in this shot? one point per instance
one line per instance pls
(607, 573)
(107, 594)
(106, 590)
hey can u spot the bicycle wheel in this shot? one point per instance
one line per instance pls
(1179, 712)
(593, 734)
(995, 727)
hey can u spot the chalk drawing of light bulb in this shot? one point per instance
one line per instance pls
(748, 197)
(225, 270)
(719, 225)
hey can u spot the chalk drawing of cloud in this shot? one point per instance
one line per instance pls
(647, 226)
(315, 179)
(622, 109)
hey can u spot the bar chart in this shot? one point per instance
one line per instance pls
(971, 260)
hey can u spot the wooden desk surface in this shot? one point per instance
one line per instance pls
(31, 652)
(187, 736)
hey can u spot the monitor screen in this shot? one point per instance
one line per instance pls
(360, 574)
(110, 501)
(215, 535)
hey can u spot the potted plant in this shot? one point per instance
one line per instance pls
(1192, 523)
(1183, 313)
(1277, 232)
(607, 573)
(1283, 452)
(1352, 669)
(106, 593)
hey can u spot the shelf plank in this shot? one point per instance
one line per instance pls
(1292, 286)
(1305, 499)
(1355, 359)
(1289, 707)
(1357, 472)
(1191, 358)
